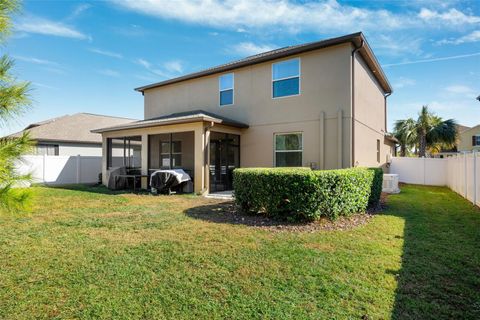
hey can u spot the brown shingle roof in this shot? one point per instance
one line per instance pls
(72, 128)
(355, 38)
(461, 128)
(178, 117)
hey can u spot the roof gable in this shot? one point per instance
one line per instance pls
(72, 128)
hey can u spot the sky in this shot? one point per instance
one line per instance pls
(88, 56)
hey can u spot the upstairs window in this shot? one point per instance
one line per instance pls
(286, 78)
(47, 149)
(225, 84)
(288, 150)
(476, 140)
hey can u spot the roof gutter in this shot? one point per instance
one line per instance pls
(385, 96)
(353, 98)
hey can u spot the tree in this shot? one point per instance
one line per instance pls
(14, 101)
(428, 132)
(406, 134)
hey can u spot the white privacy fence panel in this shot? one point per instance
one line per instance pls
(460, 172)
(58, 170)
(428, 171)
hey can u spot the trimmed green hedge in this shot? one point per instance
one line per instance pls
(303, 194)
(377, 184)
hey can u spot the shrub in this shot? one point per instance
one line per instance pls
(344, 191)
(289, 192)
(377, 184)
(302, 194)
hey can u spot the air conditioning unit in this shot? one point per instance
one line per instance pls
(390, 183)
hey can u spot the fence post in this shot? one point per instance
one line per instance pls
(78, 168)
(465, 174)
(474, 177)
(424, 170)
(44, 166)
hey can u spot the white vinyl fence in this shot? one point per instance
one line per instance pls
(460, 172)
(60, 170)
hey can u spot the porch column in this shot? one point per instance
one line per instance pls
(144, 159)
(207, 157)
(199, 159)
(104, 160)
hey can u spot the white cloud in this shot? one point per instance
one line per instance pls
(144, 63)
(474, 36)
(32, 24)
(174, 66)
(403, 82)
(109, 72)
(396, 45)
(249, 48)
(317, 16)
(79, 10)
(461, 56)
(54, 70)
(451, 17)
(106, 53)
(46, 86)
(167, 70)
(461, 90)
(35, 60)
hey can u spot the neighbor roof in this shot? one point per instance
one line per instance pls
(174, 118)
(72, 128)
(355, 38)
(461, 128)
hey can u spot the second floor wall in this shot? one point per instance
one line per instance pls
(325, 86)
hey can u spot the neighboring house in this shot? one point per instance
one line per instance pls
(469, 139)
(70, 135)
(320, 105)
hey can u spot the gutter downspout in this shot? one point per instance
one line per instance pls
(353, 99)
(385, 96)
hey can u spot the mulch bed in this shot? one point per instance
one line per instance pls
(226, 212)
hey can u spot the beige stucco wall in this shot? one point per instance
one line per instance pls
(324, 91)
(369, 117)
(465, 139)
(322, 113)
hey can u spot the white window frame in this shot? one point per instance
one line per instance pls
(220, 91)
(275, 146)
(299, 78)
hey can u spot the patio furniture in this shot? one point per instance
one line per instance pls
(130, 177)
(170, 181)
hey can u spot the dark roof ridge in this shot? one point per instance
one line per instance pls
(355, 38)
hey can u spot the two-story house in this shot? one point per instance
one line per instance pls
(320, 105)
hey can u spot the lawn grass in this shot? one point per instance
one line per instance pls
(86, 253)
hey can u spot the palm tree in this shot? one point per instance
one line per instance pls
(14, 101)
(433, 130)
(428, 132)
(406, 134)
